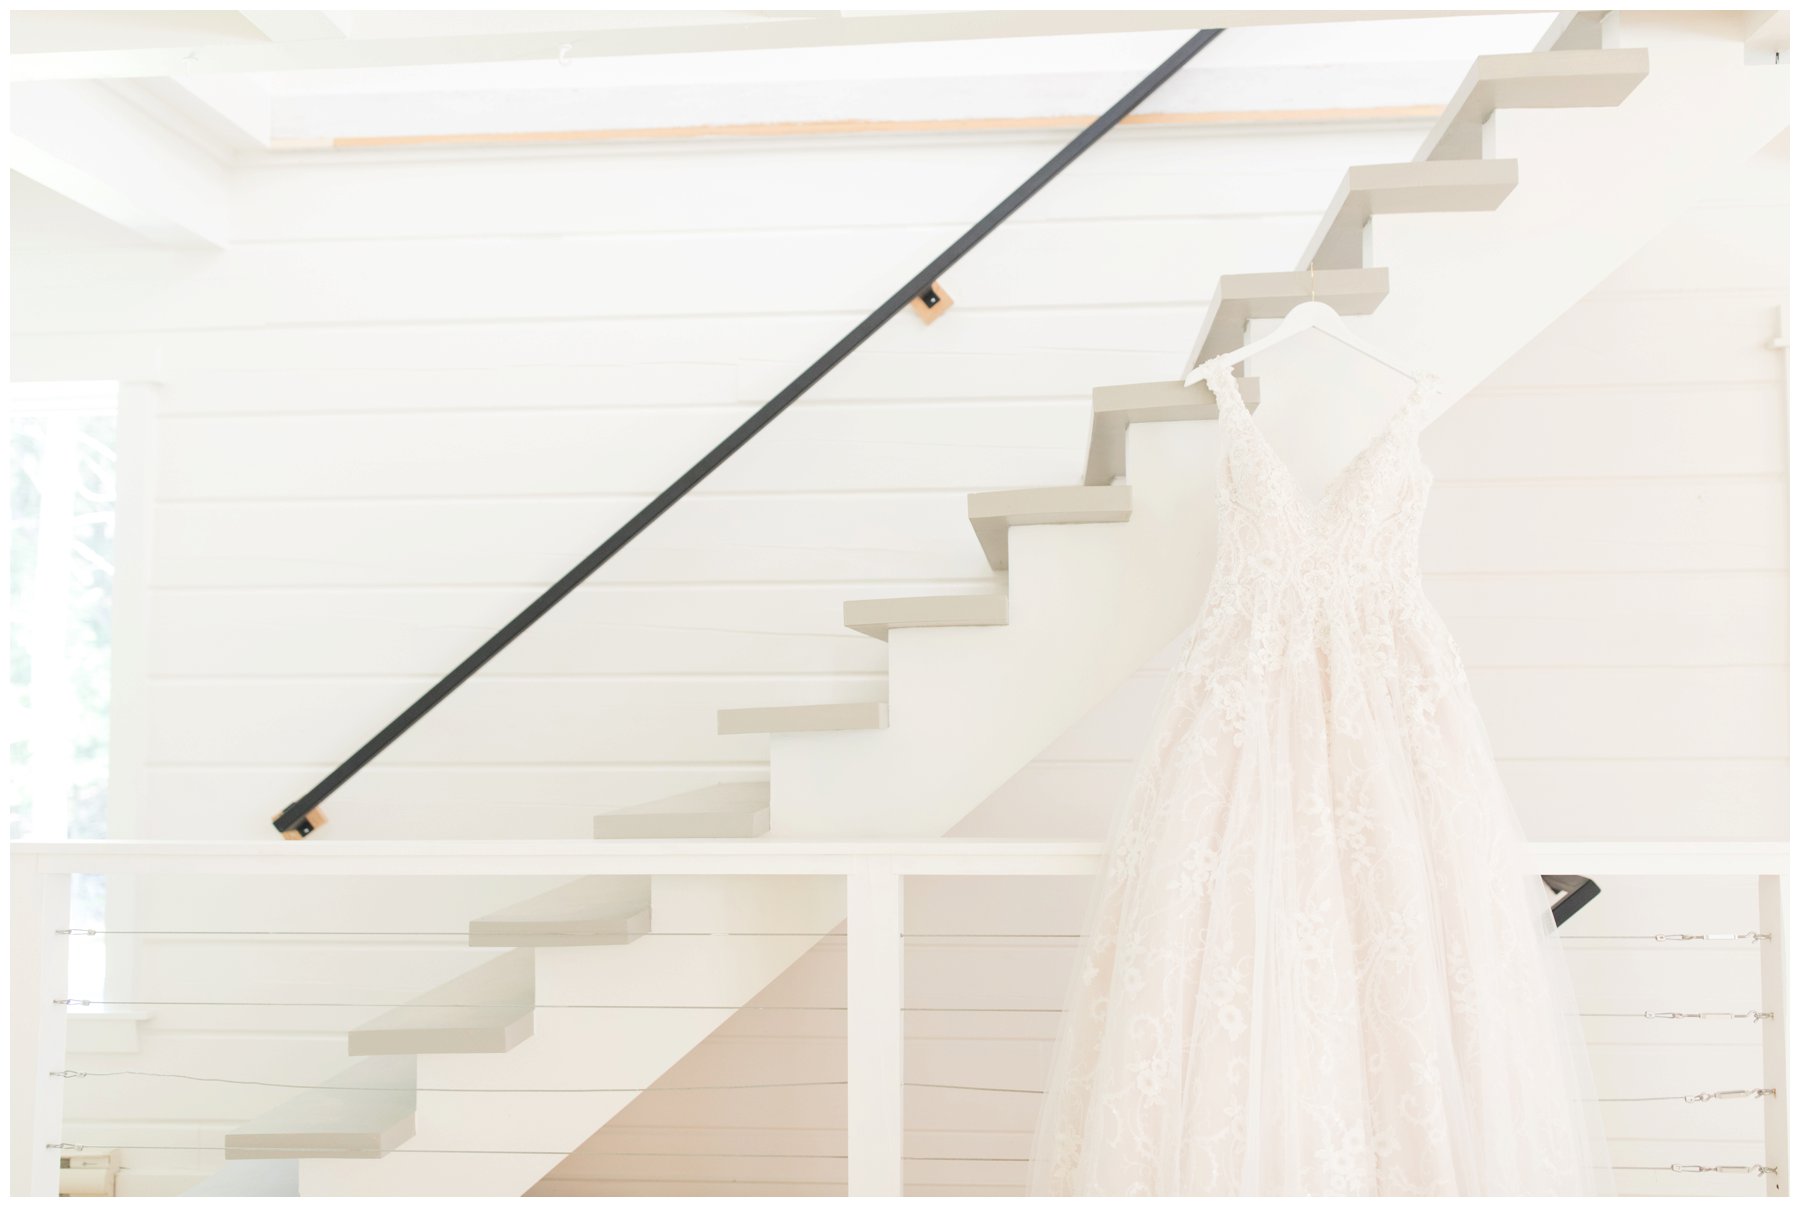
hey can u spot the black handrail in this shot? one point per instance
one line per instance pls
(300, 818)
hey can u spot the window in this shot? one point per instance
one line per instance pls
(62, 524)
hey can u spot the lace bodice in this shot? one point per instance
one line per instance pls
(1292, 574)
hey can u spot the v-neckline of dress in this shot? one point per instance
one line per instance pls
(1422, 387)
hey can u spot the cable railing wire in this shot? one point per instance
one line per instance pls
(83, 932)
(307, 1151)
(1757, 1016)
(1702, 1096)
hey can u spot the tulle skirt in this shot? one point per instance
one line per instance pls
(1318, 959)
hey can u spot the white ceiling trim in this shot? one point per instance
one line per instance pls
(1199, 93)
(295, 25)
(198, 54)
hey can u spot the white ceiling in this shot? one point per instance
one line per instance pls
(139, 117)
(255, 80)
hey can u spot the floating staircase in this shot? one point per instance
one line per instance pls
(1092, 578)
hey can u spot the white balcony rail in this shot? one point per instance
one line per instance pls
(874, 875)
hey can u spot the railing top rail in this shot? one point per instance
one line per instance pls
(764, 856)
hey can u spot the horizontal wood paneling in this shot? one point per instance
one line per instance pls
(1698, 524)
(1678, 429)
(985, 354)
(610, 450)
(842, 183)
(547, 720)
(461, 801)
(707, 538)
(602, 629)
(1583, 527)
(509, 279)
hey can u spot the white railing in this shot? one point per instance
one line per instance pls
(874, 874)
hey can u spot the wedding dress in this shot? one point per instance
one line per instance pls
(1318, 959)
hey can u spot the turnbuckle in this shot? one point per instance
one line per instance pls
(1722, 1095)
(1755, 1016)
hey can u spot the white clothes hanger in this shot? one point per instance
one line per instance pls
(1310, 315)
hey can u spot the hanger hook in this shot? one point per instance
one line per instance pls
(1312, 280)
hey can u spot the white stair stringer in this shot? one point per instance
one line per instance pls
(1468, 290)
(1087, 604)
(1090, 604)
(504, 1142)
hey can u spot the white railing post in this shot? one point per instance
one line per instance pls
(875, 1027)
(1772, 920)
(40, 972)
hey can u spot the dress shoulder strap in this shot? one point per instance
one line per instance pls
(1419, 401)
(1219, 379)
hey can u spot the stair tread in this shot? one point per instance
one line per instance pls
(1241, 297)
(487, 1009)
(585, 912)
(802, 718)
(1433, 186)
(1539, 79)
(992, 513)
(347, 1116)
(1117, 407)
(877, 617)
(728, 810)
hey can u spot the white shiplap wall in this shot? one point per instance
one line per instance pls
(415, 388)
(1607, 539)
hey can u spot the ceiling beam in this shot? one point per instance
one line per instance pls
(294, 25)
(93, 147)
(1766, 30)
(687, 37)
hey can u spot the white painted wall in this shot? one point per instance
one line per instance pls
(412, 389)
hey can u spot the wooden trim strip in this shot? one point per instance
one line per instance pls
(922, 126)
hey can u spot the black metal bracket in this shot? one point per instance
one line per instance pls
(1575, 892)
(932, 303)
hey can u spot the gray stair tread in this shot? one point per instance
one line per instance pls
(1117, 407)
(1241, 297)
(488, 1009)
(877, 617)
(731, 810)
(591, 910)
(254, 1178)
(1540, 79)
(804, 718)
(362, 1112)
(992, 513)
(1437, 186)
